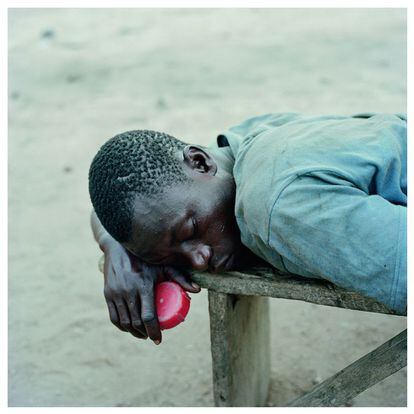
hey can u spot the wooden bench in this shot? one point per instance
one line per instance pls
(240, 338)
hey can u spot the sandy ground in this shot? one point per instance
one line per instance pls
(76, 78)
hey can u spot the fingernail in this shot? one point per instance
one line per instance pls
(195, 285)
(157, 342)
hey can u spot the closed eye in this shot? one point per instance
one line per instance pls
(195, 227)
(189, 230)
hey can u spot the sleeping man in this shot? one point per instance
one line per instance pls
(318, 196)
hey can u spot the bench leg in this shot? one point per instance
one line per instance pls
(359, 376)
(240, 348)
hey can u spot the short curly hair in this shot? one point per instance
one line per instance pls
(139, 162)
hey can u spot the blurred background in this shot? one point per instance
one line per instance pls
(79, 76)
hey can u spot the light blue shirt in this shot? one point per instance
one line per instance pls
(325, 197)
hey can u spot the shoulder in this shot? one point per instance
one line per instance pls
(275, 204)
(258, 124)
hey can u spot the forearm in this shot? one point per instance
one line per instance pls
(102, 237)
(109, 245)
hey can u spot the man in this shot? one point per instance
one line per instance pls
(321, 197)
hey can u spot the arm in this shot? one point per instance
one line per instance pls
(322, 226)
(101, 236)
(129, 285)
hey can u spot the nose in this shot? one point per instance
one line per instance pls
(200, 256)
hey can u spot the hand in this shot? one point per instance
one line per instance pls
(129, 291)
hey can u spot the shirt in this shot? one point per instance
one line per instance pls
(325, 197)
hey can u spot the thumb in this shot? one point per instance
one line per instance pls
(183, 278)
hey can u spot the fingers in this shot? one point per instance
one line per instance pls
(186, 285)
(125, 319)
(138, 335)
(149, 316)
(183, 279)
(113, 315)
(130, 299)
(137, 326)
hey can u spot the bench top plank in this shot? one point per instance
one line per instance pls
(267, 281)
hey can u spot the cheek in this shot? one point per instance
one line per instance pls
(223, 235)
(220, 228)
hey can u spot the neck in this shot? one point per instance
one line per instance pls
(224, 159)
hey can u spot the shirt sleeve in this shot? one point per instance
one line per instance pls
(322, 226)
(256, 125)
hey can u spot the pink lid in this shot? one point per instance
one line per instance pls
(172, 303)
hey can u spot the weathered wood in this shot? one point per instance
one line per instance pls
(240, 349)
(268, 282)
(240, 337)
(359, 376)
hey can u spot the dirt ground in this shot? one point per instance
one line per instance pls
(76, 78)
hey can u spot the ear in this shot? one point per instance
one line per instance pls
(199, 160)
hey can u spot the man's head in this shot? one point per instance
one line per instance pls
(166, 201)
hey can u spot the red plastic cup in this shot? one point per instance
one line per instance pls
(172, 303)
